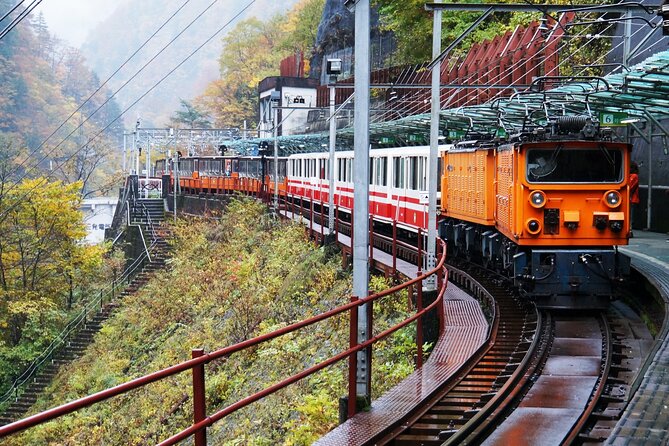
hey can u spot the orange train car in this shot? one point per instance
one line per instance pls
(548, 210)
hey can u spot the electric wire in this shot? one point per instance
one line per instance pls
(11, 10)
(18, 19)
(221, 29)
(81, 124)
(141, 47)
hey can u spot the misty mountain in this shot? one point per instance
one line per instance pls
(132, 23)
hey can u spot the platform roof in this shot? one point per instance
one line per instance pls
(640, 92)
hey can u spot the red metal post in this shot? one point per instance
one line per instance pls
(419, 323)
(199, 400)
(353, 359)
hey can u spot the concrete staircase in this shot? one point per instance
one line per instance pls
(78, 343)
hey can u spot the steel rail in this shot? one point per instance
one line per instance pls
(206, 358)
(476, 429)
(601, 385)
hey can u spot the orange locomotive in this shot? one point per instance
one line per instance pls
(548, 209)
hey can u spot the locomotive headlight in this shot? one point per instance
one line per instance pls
(538, 199)
(533, 226)
(612, 199)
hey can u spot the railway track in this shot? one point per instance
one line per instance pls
(563, 371)
(494, 370)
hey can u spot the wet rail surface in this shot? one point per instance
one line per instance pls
(566, 391)
(489, 371)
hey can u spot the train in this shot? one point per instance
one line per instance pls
(546, 208)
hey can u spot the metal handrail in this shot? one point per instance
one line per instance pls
(227, 351)
(76, 323)
(63, 336)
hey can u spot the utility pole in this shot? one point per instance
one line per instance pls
(148, 167)
(361, 191)
(334, 68)
(136, 149)
(431, 282)
(276, 159)
(125, 149)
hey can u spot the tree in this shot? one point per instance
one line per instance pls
(253, 51)
(42, 259)
(191, 116)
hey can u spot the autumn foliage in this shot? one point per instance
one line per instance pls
(229, 280)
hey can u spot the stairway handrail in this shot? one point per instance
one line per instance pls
(73, 325)
(225, 352)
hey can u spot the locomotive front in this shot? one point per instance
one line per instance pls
(571, 212)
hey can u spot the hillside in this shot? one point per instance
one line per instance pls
(229, 281)
(133, 22)
(42, 83)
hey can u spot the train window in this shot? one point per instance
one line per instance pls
(398, 172)
(565, 165)
(413, 173)
(439, 171)
(371, 171)
(422, 172)
(342, 169)
(349, 170)
(321, 169)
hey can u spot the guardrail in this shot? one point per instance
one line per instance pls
(200, 358)
(94, 305)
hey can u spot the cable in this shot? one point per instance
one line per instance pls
(11, 10)
(33, 152)
(41, 182)
(81, 124)
(20, 17)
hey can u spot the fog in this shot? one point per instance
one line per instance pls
(72, 20)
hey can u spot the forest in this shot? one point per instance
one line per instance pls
(53, 153)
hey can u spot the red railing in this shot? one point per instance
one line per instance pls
(200, 358)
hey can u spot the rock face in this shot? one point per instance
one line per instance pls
(336, 32)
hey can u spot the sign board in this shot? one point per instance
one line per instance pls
(456, 134)
(387, 140)
(611, 119)
(424, 197)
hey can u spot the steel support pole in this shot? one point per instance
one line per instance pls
(431, 282)
(125, 150)
(361, 187)
(175, 176)
(649, 214)
(627, 39)
(148, 167)
(135, 154)
(276, 160)
(331, 166)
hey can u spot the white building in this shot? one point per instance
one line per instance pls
(98, 215)
(297, 95)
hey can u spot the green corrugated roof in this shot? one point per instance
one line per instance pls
(642, 89)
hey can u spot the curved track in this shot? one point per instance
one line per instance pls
(489, 373)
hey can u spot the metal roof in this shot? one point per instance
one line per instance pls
(641, 92)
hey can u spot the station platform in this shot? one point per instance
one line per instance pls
(645, 419)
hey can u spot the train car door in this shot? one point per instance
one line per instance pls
(399, 192)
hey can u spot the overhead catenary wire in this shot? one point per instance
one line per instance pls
(18, 19)
(7, 14)
(84, 121)
(141, 47)
(3, 215)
